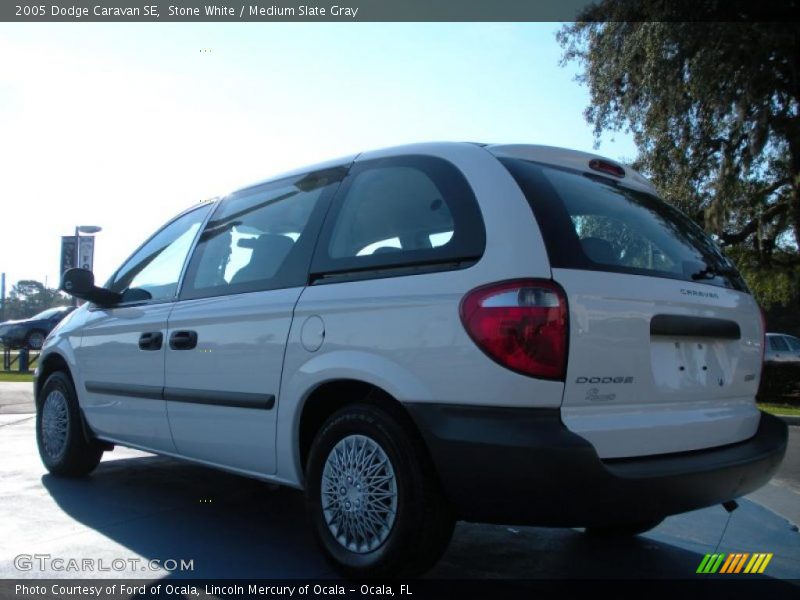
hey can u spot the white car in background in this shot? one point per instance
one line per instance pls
(499, 333)
(782, 348)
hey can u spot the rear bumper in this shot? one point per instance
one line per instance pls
(523, 466)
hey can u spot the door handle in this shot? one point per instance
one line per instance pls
(151, 340)
(183, 340)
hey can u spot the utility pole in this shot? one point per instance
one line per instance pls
(2, 297)
(77, 261)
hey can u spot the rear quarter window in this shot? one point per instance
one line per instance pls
(400, 212)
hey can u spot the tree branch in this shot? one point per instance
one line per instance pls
(729, 239)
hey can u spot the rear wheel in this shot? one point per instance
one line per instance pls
(374, 501)
(624, 529)
(59, 431)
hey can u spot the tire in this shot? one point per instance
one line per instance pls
(408, 541)
(35, 340)
(62, 444)
(622, 530)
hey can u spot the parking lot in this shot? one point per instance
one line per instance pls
(140, 507)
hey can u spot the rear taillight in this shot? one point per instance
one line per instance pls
(521, 324)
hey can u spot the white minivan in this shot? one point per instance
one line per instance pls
(418, 335)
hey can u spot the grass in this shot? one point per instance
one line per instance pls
(780, 409)
(15, 376)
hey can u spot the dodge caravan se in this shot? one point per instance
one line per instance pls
(419, 335)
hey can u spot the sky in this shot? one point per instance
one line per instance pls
(124, 125)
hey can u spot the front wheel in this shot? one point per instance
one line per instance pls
(35, 340)
(59, 433)
(374, 501)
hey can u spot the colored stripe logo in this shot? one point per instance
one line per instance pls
(737, 562)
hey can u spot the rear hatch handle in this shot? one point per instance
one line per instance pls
(682, 325)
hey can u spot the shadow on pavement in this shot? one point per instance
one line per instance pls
(161, 508)
(235, 527)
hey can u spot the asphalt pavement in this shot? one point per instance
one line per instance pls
(16, 398)
(141, 507)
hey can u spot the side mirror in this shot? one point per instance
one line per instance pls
(80, 283)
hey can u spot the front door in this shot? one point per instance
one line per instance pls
(121, 353)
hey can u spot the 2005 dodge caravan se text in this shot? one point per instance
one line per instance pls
(501, 333)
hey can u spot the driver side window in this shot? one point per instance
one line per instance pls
(152, 273)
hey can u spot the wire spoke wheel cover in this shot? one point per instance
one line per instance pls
(359, 494)
(55, 422)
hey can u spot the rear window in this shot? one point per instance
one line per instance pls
(592, 223)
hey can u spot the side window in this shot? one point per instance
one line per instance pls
(793, 342)
(152, 273)
(398, 212)
(778, 344)
(261, 238)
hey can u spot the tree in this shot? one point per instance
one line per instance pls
(29, 297)
(713, 109)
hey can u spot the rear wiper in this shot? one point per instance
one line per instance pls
(710, 272)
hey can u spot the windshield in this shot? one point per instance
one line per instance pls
(592, 223)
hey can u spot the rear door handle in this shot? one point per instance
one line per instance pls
(183, 340)
(151, 340)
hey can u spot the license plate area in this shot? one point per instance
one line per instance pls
(681, 364)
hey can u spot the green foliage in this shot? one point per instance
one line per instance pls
(775, 283)
(713, 109)
(16, 377)
(29, 297)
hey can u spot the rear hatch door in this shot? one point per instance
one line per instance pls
(657, 367)
(665, 342)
